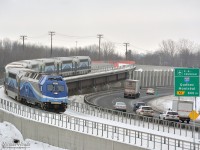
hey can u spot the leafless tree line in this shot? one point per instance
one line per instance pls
(183, 53)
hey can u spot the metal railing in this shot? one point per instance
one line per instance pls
(147, 139)
(111, 68)
(178, 128)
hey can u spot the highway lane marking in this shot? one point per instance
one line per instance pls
(116, 99)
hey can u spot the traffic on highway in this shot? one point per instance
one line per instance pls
(139, 106)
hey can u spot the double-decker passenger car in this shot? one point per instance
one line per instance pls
(65, 66)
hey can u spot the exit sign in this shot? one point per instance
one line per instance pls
(186, 82)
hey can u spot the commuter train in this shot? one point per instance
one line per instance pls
(40, 81)
(45, 91)
(64, 66)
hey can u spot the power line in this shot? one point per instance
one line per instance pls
(23, 37)
(126, 45)
(74, 36)
(37, 37)
(51, 33)
(118, 43)
(112, 41)
(99, 36)
(139, 48)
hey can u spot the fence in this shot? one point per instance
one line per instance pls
(177, 128)
(109, 131)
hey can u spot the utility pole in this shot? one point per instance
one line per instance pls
(126, 44)
(51, 33)
(23, 37)
(99, 36)
(76, 46)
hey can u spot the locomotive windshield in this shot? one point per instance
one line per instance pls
(55, 88)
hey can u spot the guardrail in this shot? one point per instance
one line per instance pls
(109, 68)
(177, 128)
(138, 137)
(103, 71)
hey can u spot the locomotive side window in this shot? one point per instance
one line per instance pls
(11, 75)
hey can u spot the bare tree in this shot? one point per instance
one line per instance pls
(167, 52)
(108, 50)
(185, 48)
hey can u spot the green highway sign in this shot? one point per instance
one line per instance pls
(186, 82)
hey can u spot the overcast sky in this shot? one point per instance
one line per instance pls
(142, 23)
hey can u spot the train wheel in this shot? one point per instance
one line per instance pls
(6, 92)
(44, 106)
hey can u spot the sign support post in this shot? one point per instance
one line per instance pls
(186, 83)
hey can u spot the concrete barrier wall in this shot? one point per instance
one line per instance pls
(154, 78)
(61, 137)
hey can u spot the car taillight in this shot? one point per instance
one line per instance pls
(142, 110)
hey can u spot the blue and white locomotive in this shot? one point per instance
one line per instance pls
(34, 88)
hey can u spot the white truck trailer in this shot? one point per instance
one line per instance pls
(132, 88)
(183, 108)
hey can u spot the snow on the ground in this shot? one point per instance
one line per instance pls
(164, 103)
(9, 134)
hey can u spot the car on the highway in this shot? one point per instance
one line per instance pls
(150, 91)
(145, 111)
(169, 115)
(121, 106)
(137, 105)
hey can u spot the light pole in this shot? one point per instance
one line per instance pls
(51, 33)
(23, 37)
(126, 45)
(99, 36)
(76, 47)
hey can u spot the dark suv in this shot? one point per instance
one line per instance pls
(137, 105)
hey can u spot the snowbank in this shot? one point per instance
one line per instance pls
(11, 138)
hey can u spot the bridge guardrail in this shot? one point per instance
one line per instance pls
(109, 131)
(177, 128)
(102, 69)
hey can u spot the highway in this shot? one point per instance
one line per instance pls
(107, 101)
